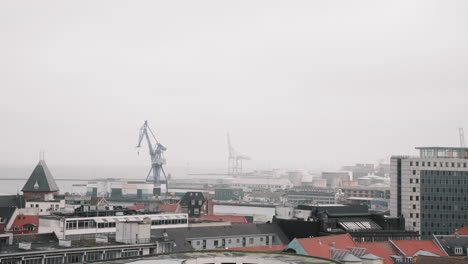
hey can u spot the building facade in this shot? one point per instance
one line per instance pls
(75, 228)
(431, 191)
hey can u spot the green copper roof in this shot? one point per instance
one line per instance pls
(41, 180)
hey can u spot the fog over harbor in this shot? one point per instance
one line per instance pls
(297, 85)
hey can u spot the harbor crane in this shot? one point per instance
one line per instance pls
(234, 159)
(156, 151)
(462, 137)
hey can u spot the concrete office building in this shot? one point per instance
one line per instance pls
(431, 191)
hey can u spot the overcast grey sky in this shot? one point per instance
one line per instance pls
(315, 83)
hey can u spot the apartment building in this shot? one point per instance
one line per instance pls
(431, 191)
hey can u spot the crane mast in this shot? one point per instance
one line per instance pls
(156, 152)
(462, 137)
(234, 160)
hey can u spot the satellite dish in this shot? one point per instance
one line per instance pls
(147, 220)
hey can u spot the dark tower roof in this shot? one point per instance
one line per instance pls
(41, 180)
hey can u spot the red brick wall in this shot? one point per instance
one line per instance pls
(21, 220)
(36, 195)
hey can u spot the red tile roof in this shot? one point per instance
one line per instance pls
(170, 208)
(234, 219)
(276, 248)
(380, 249)
(320, 246)
(136, 206)
(462, 231)
(410, 247)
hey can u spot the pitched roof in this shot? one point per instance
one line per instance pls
(439, 260)
(370, 257)
(275, 248)
(320, 246)
(182, 235)
(12, 201)
(6, 213)
(351, 258)
(235, 219)
(172, 208)
(380, 249)
(410, 247)
(462, 231)
(450, 242)
(41, 180)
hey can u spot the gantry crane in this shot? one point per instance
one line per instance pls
(156, 152)
(234, 159)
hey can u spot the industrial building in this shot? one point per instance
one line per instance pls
(322, 220)
(75, 228)
(431, 191)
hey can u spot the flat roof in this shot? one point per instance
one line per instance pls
(444, 148)
(227, 256)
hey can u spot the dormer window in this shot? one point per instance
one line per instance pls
(36, 186)
(458, 250)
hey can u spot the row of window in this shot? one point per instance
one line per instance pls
(169, 222)
(441, 199)
(85, 224)
(442, 190)
(74, 258)
(217, 243)
(445, 225)
(443, 207)
(447, 216)
(440, 164)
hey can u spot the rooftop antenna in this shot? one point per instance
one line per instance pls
(462, 137)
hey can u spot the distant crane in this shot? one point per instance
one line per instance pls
(156, 152)
(234, 159)
(462, 137)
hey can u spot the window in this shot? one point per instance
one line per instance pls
(411, 180)
(417, 163)
(414, 189)
(198, 243)
(251, 240)
(411, 215)
(411, 198)
(428, 163)
(417, 215)
(417, 180)
(411, 163)
(417, 198)
(458, 250)
(414, 224)
(204, 244)
(215, 243)
(414, 207)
